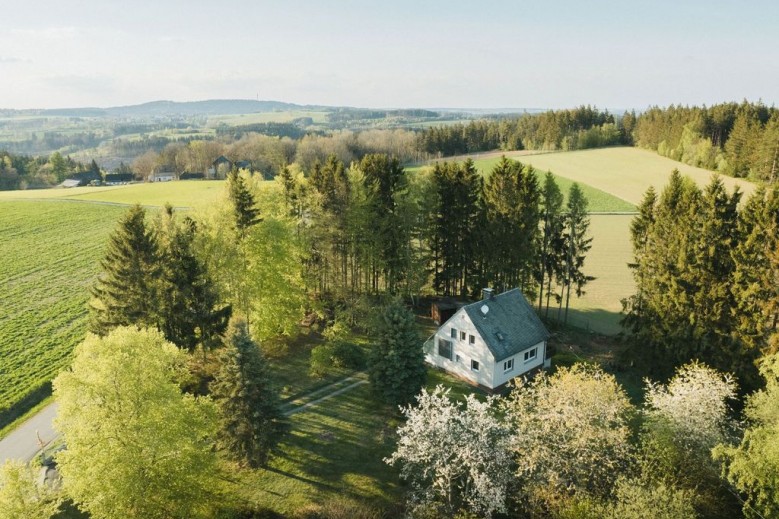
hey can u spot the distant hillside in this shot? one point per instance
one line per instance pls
(172, 108)
(210, 107)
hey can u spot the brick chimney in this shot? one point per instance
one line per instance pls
(487, 293)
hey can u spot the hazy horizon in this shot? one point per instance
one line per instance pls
(499, 55)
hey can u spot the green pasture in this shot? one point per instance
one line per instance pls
(187, 193)
(51, 255)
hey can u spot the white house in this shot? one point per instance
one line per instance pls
(491, 341)
(163, 176)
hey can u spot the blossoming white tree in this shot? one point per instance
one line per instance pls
(455, 456)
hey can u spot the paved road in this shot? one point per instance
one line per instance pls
(26, 440)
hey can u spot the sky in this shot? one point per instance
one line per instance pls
(391, 53)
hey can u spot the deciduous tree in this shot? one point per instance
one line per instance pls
(753, 465)
(22, 496)
(570, 433)
(136, 446)
(455, 456)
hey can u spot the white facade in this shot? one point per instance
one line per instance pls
(472, 359)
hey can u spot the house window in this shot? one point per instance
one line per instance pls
(457, 358)
(462, 336)
(475, 365)
(445, 348)
(530, 354)
(471, 339)
(454, 333)
(508, 365)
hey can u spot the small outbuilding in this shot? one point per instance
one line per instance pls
(491, 341)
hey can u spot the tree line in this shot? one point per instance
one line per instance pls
(372, 228)
(578, 128)
(736, 139)
(705, 269)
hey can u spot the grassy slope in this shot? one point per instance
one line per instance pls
(600, 201)
(51, 253)
(622, 171)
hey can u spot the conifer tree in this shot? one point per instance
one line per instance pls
(396, 363)
(552, 242)
(577, 244)
(458, 224)
(246, 211)
(640, 228)
(251, 419)
(125, 293)
(511, 202)
(189, 306)
(385, 181)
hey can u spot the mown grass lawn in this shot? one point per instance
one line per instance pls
(335, 448)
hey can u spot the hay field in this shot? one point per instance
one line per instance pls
(622, 171)
(187, 193)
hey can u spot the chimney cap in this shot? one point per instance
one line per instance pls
(487, 293)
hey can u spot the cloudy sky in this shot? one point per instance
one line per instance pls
(389, 53)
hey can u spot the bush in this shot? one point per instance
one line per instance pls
(336, 354)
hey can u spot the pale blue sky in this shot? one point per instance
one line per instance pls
(392, 53)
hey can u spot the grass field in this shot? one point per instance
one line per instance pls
(189, 193)
(599, 309)
(599, 200)
(51, 253)
(622, 171)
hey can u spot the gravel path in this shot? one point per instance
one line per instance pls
(27, 439)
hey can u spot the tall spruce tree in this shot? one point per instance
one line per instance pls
(125, 293)
(247, 213)
(511, 202)
(251, 419)
(385, 181)
(396, 363)
(577, 244)
(552, 241)
(458, 228)
(190, 313)
(640, 228)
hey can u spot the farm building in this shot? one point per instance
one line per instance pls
(491, 341)
(220, 168)
(162, 176)
(442, 310)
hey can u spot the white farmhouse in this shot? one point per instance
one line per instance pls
(490, 342)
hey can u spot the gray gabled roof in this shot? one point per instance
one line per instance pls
(510, 324)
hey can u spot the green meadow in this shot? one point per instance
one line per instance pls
(51, 255)
(189, 193)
